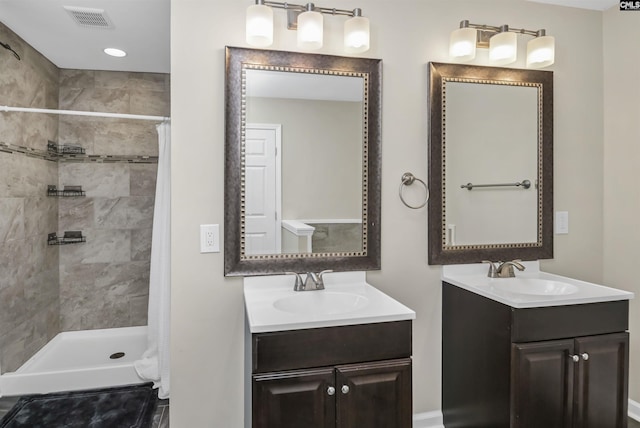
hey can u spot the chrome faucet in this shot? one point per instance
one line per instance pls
(313, 281)
(503, 269)
(298, 285)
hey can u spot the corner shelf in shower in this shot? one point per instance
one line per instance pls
(70, 237)
(63, 149)
(66, 192)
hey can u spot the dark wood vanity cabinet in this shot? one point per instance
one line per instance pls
(578, 382)
(337, 377)
(559, 366)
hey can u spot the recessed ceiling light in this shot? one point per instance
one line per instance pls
(115, 52)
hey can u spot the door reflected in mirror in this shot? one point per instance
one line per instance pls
(303, 162)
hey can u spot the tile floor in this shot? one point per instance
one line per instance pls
(160, 417)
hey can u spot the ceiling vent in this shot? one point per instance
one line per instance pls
(86, 17)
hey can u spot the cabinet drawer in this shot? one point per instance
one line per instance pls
(558, 322)
(294, 349)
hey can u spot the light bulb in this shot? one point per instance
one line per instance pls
(356, 35)
(541, 52)
(310, 25)
(259, 26)
(462, 44)
(503, 48)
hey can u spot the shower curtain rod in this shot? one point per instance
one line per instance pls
(84, 113)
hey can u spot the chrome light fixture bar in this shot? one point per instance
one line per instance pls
(502, 43)
(308, 21)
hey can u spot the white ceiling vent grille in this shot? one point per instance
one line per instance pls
(86, 17)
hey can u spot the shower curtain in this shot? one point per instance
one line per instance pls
(154, 365)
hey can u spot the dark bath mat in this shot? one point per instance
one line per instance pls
(125, 407)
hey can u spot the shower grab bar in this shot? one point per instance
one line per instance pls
(524, 183)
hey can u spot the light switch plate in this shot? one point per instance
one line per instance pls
(562, 222)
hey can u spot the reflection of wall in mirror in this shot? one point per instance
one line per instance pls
(491, 137)
(321, 155)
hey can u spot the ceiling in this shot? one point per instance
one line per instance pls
(139, 27)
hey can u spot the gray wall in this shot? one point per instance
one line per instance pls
(29, 287)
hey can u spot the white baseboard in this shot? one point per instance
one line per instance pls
(634, 410)
(428, 420)
(434, 419)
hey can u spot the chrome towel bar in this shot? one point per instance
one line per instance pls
(524, 183)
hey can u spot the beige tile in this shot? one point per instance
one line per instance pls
(76, 79)
(76, 213)
(40, 215)
(143, 179)
(141, 244)
(11, 219)
(98, 180)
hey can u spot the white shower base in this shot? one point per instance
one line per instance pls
(79, 360)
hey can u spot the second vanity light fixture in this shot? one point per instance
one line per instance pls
(502, 43)
(308, 20)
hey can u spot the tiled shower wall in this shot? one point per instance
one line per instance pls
(29, 285)
(104, 283)
(101, 283)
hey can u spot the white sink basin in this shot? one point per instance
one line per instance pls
(272, 305)
(530, 288)
(535, 286)
(321, 302)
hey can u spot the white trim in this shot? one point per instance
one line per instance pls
(298, 228)
(84, 113)
(431, 419)
(634, 410)
(332, 220)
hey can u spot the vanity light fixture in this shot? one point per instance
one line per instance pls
(308, 21)
(502, 43)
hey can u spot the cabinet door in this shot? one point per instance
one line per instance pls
(542, 376)
(294, 399)
(374, 395)
(602, 381)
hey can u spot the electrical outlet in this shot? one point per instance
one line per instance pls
(209, 238)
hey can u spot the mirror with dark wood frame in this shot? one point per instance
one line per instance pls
(490, 164)
(316, 205)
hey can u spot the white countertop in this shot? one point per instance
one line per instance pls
(473, 277)
(262, 296)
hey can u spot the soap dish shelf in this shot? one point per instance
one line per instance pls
(70, 237)
(63, 149)
(66, 192)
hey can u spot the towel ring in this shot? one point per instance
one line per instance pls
(407, 180)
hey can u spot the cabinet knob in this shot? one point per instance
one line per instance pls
(331, 390)
(575, 358)
(585, 356)
(345, 389)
